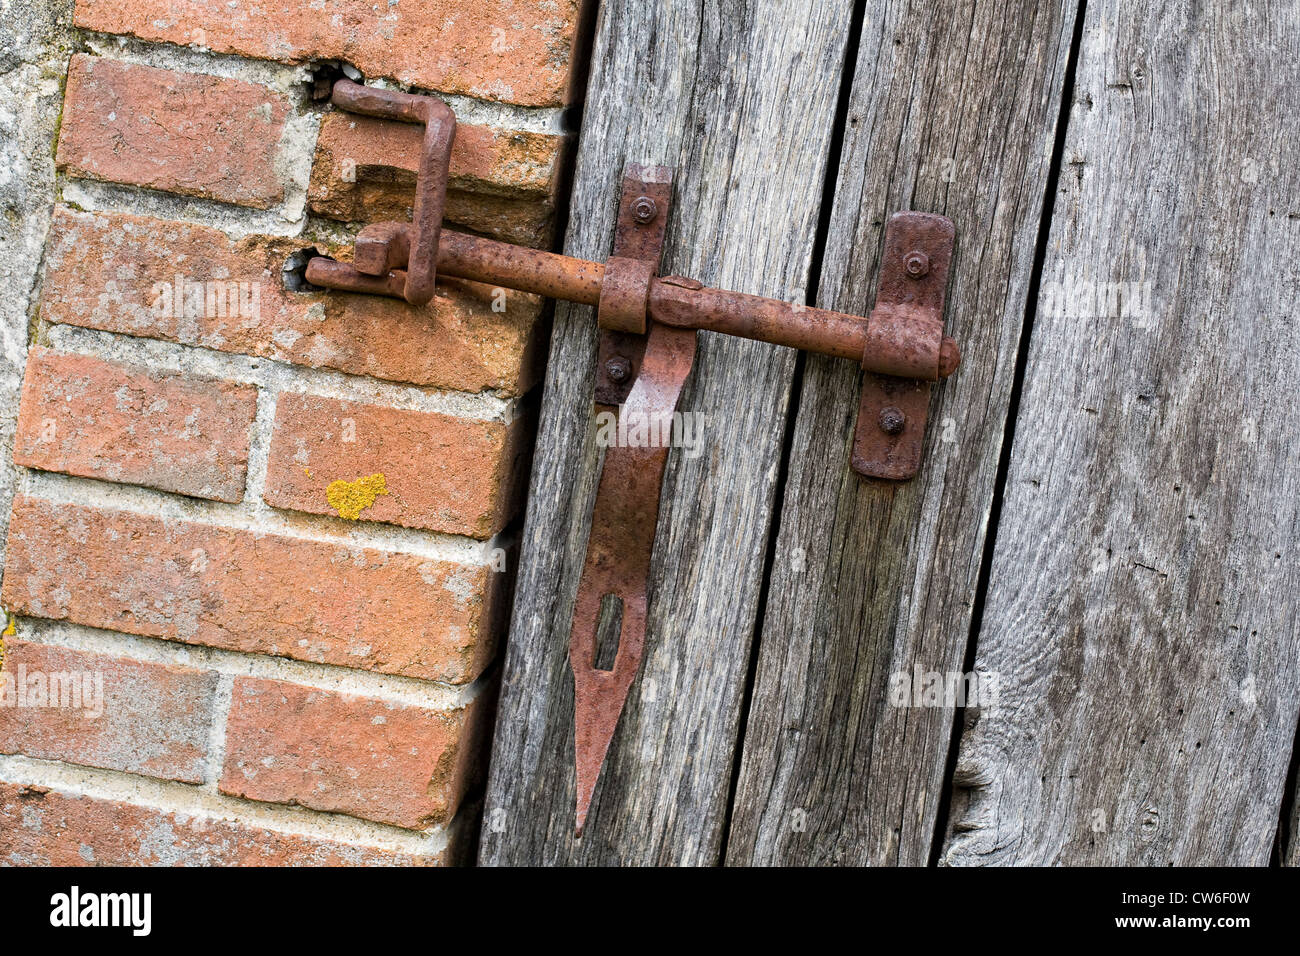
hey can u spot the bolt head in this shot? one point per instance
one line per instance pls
(892, 420)
(644, 210)
(617, 369)
(917, 264)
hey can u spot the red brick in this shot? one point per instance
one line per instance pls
(153, 719)
(41, 827)
(517, 51)
(441, 473)
(99, 419)
(104, 271)
(502, 182)
(393, 763)
(504, 162)
(330, 603)
(184, 133)
(524, 223)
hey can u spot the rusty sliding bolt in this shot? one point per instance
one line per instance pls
(902, 339)
(672, 300)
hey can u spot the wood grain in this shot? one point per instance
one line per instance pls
(740, 99)
(953, 110)
(1141, 608)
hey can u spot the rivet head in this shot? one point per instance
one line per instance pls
(644, 210)
(917, 264)
(892, 420)
(618, 369)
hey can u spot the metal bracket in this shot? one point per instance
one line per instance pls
(639, 230)
(909, 309)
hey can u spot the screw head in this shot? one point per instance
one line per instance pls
(892, 420)
(644, 210)
(917, 264)
(618, 369)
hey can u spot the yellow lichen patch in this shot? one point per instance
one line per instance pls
(350, 498)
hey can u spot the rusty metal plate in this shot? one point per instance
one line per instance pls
(618, 557)
(891, 427)
(914, 265)
(643, 376)
(644, 201)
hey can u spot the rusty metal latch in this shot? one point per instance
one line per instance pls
(647, 347)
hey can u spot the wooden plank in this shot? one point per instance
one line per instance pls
(741, 100)
(953, 110)
(1142, 602)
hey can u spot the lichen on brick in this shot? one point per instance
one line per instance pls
(350, 498)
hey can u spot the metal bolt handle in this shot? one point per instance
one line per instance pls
(388, 245)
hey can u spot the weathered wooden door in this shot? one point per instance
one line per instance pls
(1104, 524)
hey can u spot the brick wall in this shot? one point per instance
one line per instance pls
(265, 535)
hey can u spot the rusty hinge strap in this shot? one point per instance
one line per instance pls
(622, 538)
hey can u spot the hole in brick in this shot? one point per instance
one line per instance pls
(321, 77)
(294, 271)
